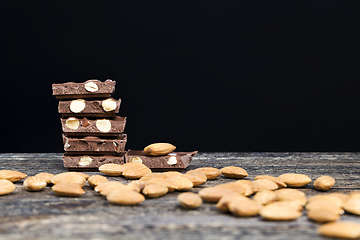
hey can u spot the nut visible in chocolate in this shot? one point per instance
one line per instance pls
(77, 105)
(172, 160)
(103, 125)
(72, 123)
(85, 161)
(91, 86)
(135, 159)
(109, 105)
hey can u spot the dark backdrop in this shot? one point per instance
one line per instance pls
(203, 75)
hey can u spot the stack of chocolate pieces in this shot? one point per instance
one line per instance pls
(92, 131)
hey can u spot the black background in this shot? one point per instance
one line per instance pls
(203, 75)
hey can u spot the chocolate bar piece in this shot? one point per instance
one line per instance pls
(96, 108)
(176, 161)
(95, 145)
(73, 126)
(90, 89)
(90, 162)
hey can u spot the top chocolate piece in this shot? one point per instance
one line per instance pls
(90, 89)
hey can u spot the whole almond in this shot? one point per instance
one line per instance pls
(324, 183)
(328, 198)
(244, 207)
(6, 187)
(160, 180)
(180, 183)
(263, 185)
(224, 201)
(288, 194)
(153, 175)
(138, 185)
(210, 172)
(342, 229)
(112, 169)
(154, 190)
(102, 186)
(265, 197)
(247, 185)
(352, 204)
(108, 187)
(157, 149)
(45, 176)
(69, 177)
(321, 203)
(125, 197)
(280, 211)
(189, 200)
(12, 176)
(66, 189)
(294, 179)
(34, 184)
(213, 194)
(128, 165)
(95, 180)
(235, 187)
(197, 177)
(233, 172)
(280, 183)
(323, 214)
(137, 171)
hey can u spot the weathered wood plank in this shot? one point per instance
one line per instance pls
(42, 215)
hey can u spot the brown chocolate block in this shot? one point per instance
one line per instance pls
(90, 162)
(94, 108)
(176, 161)
(90, 89)
(73, 126)
(94, 145)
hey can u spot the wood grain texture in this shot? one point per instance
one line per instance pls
(43, 215)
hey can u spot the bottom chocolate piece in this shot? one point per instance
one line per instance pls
(176, 161)
(90, 162)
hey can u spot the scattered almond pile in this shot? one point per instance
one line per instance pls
(273, 198)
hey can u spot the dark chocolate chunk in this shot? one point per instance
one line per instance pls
(73, 126)
(95, 108)
(176, 161)
(94, 145)
(89, 89)
(90, 162)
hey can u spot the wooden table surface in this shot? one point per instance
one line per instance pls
(43, 215)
